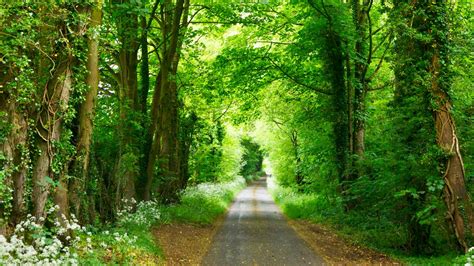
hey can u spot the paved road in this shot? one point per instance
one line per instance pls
(256, 233)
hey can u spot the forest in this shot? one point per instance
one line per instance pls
(121, 115)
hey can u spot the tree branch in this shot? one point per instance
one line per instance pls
(286, 74)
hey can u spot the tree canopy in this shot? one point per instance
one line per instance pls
(366, 104)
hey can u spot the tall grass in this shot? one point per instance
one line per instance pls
(203, 203)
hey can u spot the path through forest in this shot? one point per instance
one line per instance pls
(256, 233)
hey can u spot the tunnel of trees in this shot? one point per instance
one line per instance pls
(367, 104)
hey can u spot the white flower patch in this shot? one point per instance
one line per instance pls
(470, 257)
(33, 244)
(147, 213)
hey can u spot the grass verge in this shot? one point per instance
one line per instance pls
(379, 235)
(203, 203)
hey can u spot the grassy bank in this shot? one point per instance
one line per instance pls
(203, 203)
(371, 232)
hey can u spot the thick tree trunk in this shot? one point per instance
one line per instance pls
(127, 160)
(143, 96)
(456, 196)
(55, 102)
(341, 107)
(429, 19)
(80, 169)
(169, 97)
(13, 148)
(360, 70)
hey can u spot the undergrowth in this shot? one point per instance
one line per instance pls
(372, 231)
(203, 203)
(128, 241)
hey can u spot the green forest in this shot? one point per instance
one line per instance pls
(119, 116)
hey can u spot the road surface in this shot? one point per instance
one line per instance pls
(256, 233)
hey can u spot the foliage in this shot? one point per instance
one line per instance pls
(252, 159)
(337, 94)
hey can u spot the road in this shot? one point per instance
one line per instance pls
(256, 233)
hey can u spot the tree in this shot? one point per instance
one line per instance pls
(80, 166)
(423, 38)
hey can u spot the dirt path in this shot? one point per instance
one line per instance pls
(256, 233)
(335, 250)
(186, 244)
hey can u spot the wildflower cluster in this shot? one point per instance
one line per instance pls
(215, 190)
(146, 213)
(470, 257)
(33, 243)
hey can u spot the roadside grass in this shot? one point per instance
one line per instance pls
(203, 203)
(371, 232)
(130, 241)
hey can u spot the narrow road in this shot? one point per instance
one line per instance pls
(256, 233)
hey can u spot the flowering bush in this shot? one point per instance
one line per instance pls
(31, 243)
(147, 213)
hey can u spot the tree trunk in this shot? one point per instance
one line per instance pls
(360, 66)
(127, 160)
(169, 97)
(13, 148)
(55, 102)
(340, 105)
(153, 138)
(427, 43)
(80, 169)
(456, 196)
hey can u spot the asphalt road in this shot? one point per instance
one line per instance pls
(256, 233)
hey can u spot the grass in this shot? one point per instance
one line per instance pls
(203, 203)
(380, 235)
(130, 241)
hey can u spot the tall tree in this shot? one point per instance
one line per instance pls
(54, 104)
(80, 166)
(334, 59)
(126, 170)
(174, 20)
(456, 196)
(422, 74)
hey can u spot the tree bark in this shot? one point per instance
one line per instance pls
(127, 160)
(360, 69)
(55, 102)
(153, 138)
(14, 149)
(80, 168)
(456, 196)
(169, 97)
